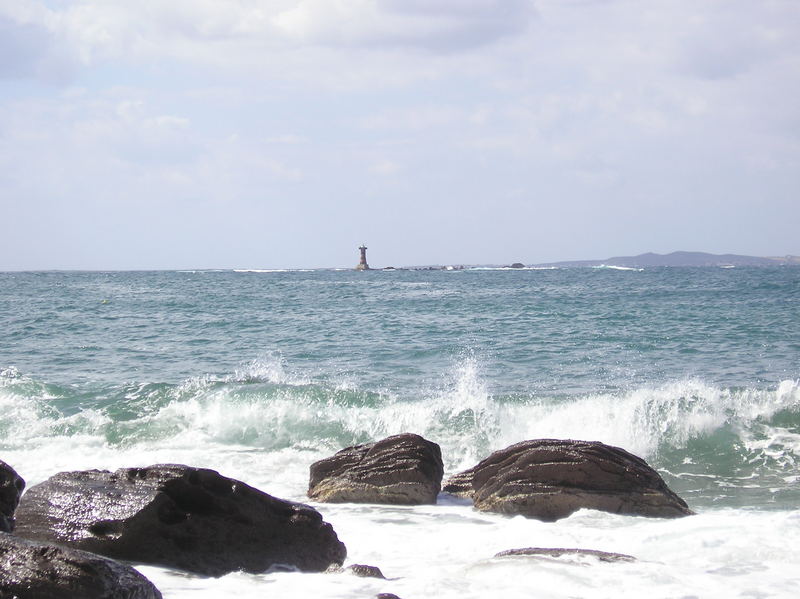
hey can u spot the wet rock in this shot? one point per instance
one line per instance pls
(402, 469)
(365, 571)
(603, 556)
(192, 519)
(549, 479)
(11, 487)
(386, 596)
(31, 570)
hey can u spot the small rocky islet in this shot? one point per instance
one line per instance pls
(62, 537)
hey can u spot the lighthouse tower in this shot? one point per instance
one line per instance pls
(362, 265)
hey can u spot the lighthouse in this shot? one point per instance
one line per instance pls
(362, 265)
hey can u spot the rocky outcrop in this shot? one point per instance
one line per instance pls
(11, 487)
(549, 479)
(31, 570)
(402, 469)
(603, 556)
(172, 515)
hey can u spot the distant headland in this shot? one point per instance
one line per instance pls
(677, 259)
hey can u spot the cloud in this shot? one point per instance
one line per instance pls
(434, 25)
(95, 30)
(469, 111)
(31, 50)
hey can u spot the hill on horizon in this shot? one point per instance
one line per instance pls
(680, 258)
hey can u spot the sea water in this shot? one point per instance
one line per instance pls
(257, 374)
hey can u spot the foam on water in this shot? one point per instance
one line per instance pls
(265, 406)
(718, 554)
(614, 267)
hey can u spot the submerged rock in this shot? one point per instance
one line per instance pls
(549, 479)
(402, 469)
(192, 519)
(11, 487)
(603, 556)
(31, 570)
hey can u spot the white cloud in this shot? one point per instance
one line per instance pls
(310, 109)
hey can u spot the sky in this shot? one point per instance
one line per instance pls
(285, 133)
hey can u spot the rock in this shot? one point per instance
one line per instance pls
(517, 265)
(11, 487)
(603, 556)
(386, 596)
(171, 515)
(404, 469)
(361, 570)
(549, 479)
(31, 570)
(365, 571)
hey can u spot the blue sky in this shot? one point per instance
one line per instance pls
(255, 134)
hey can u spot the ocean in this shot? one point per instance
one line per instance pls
(257, 374)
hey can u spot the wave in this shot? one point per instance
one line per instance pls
(687, 428)
(272, 270)
(513, 268)
(614, 267)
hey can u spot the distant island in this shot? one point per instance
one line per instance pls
(676, 259)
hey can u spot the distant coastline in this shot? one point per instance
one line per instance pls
(680, 259)
(647, 260)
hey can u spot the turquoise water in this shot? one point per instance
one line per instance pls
(259, 373)
(558, 331)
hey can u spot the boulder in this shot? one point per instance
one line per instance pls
(171, 515)
(549, 479)
(603, 556)
(31, 570)
(403, 469)
(11, 486)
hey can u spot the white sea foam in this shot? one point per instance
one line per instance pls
(272, 270)
(614, 267)
(266, 406)
(447, 552)
(265, 425)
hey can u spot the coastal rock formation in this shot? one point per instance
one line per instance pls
(192, 519)
(403, 469)
(11, 486)
(603, 556)
(31, 570)
(549, 479)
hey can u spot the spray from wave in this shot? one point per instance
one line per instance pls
(687, 428)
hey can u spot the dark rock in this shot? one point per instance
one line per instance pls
(603, 556)
(386, 596)
(365, 571)
(11, 487)
(550, 479)
(403, 469)
(31, 570)
(517, 265)
(172, 515)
